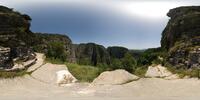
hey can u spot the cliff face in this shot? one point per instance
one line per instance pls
(44, 39)
(117, 52)
(91, 54)
(181, 37)
(15, 37)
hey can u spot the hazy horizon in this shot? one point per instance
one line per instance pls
(132, 24)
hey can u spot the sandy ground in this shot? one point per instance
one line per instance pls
(30, 87)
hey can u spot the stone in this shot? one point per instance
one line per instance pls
(116, 77)
(65, 77)
(157, 71)
(181, 37)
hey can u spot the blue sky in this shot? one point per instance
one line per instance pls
(135, 24)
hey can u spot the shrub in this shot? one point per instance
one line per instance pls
(12, 74)
(84, 73)
(140, 71)
(56, 50)
(129, 63)
(116, 64)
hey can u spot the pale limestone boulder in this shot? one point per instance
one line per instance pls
(157, 71)
(115, 77)
(160, 71)
(65, 77)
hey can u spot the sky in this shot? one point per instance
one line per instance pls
(135, 24)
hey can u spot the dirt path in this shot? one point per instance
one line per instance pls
(31, 88)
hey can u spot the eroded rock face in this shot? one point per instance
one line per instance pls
(183, 26)
(117, 52)
(181, 37)
(43, 40)
(5, 60)
(91, 54)
(15, 38)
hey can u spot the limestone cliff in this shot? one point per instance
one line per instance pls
(91, 54)
(43, 40)
(15, 38)
(181, 37)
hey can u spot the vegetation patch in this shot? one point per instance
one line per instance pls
(84, 73)
(141, 71)
(182, 72)
(12, 74)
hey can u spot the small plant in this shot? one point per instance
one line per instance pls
(140, 71)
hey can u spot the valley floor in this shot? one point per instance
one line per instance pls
(40, 85)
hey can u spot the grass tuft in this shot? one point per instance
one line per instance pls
(84, 73)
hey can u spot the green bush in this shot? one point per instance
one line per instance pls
(116, 64)
(129, 63)
(12, 74)
(54, 61)
(56, 50)
(140, 71)
(84, 73)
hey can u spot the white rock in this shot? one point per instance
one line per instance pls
(157, 71)
(114, 78)
(65, 77)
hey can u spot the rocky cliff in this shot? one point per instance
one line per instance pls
(45, 39)
(91, 54)
(117, 52)
(181, 37)
(15, 38)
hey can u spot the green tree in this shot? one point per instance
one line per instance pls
(116, 64)
(129, 63)
(56, 50)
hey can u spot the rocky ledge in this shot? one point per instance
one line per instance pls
(181, 37)
(15, 39)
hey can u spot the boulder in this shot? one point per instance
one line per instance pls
(65, 77)
(157, 71)
(53, 74)
(160, 71)
(115, 77)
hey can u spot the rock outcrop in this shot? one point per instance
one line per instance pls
(65, 77)
(15, 38)
(159, 71)
(91, 54)
(47, 73)
(181, 37)
(115, 77)
(117, 52)
(44, 39)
